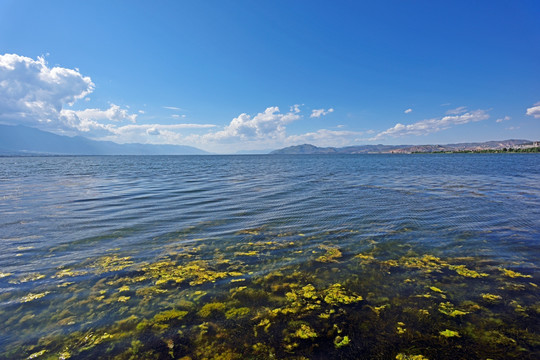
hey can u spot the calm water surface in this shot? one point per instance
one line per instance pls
(235, 257)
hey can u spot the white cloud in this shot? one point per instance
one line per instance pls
(506, 118)
(295, 108)
(534, 111)
(113, 113)
(172, 108)
(269, 124)
(408, 111)
(457, 111)
(152, 133)
(320, 112)
(425, 127)
(141, 111)
(34, 94)
(93, 119)
(176, 116)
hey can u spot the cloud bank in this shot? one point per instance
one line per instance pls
(429, 126)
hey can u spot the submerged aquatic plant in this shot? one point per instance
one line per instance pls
(305, 332)
(31, 297)
(402, 356)
(336, 294)
(449, 333)
(331, 254)
(463, 271)
(513, 274)
(188, 304)
(341, 341)
(448, 308)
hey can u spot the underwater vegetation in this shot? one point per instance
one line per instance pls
(249, 297)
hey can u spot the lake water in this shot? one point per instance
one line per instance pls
(259, 257)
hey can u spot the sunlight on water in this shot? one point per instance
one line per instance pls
(376, 257)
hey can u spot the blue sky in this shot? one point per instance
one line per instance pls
(226, 76)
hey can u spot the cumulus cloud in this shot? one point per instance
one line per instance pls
(534, 111)
(113, 113)
(269, 124)
(425, 127)
(506, 118)
(320, 112)
(408, 111)
(33, 93)
(295, 108)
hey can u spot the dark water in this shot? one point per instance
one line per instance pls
(300, 257)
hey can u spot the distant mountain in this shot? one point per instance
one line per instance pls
(22, 140)
(404, 149)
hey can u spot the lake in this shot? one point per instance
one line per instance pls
(425, 256)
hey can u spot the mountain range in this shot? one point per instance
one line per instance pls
(407, 149)
(23, 140)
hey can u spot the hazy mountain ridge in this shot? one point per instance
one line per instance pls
(405, 149)
(22, 140)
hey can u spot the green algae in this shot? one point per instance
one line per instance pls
(448, 308)
(341, 341)
(463, 271)
(305, 332)
(196, 272)
(111, 263)
(31, 297)
(211, 309)
(513, 274)
(336, 294)
(236, 313)
(186, 305)
(402, 356)
(27, 278)
(491, 298)
(68, 273)
(169, 315)
(449, 333)
(331, 254)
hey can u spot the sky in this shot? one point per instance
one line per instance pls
(228, 76)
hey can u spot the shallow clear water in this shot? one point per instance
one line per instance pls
(356, 256)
